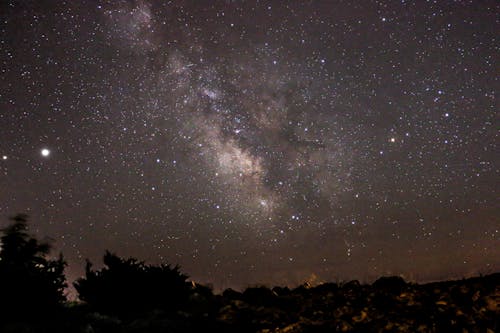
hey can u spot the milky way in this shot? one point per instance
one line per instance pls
(256, 141)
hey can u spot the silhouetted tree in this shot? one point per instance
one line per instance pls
(30, 284)
(128, 286)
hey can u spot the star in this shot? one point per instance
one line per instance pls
(45, 152)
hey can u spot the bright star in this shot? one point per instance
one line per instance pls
(45, 152)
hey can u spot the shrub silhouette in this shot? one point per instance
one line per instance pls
(30, 285)
(128, 286)
(391, 284)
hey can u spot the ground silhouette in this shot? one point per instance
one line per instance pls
(130, 296)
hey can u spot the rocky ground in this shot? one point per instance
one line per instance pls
(388, 305)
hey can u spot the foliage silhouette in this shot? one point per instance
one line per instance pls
(129, 286)
(127, 295)
(30, 285)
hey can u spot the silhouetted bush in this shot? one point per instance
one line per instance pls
(30, 285)
(231, 294)
(281, 291)
(391, 284)
(126, 286)
(202, 301)
(259, 296)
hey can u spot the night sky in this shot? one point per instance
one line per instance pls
(256, 141)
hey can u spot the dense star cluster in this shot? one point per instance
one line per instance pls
(256, 141)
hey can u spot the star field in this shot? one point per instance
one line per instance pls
(256, 141)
